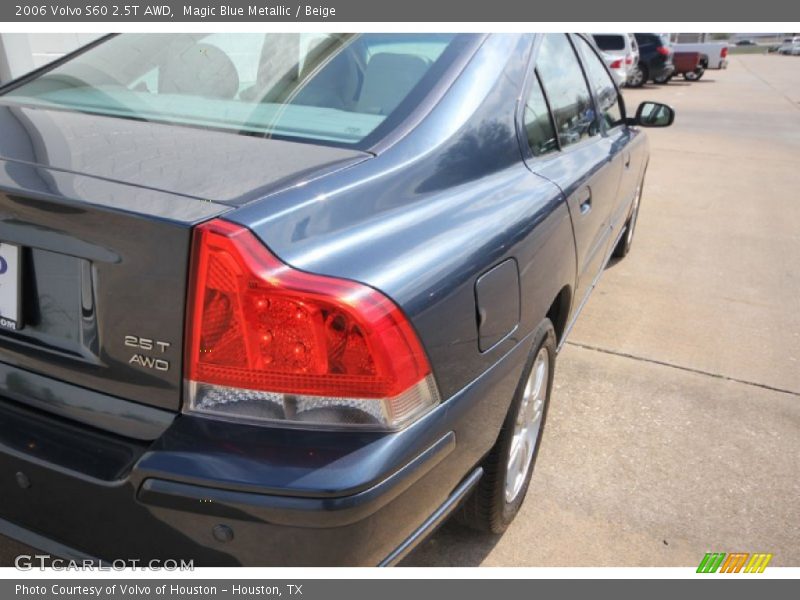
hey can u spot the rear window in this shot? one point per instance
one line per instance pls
(648, 39)
(610, 42)
(336, 88)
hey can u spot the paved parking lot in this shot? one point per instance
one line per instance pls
(675, 423)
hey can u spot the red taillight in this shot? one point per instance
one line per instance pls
(616, 64)
(663, 50)
(257, 324)
(629, 60)
(724, 52)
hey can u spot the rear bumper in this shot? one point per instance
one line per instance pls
(348, 523)
(155, 518)
(56, 549)
(223, 494)
(660, 71)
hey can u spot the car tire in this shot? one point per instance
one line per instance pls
(638, 77)
(508, 467)
(663, 80)
(624, 244)
(694, 75)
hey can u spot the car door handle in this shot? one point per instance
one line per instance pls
(586, 204)
(627, 161)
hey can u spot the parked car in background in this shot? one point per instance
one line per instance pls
(746, 42)
(717, 52)
(790, 46)
(617, 68)
(621, 50)
(655, 60)
(280, 300)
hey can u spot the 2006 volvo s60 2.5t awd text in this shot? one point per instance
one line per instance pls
(275, 299)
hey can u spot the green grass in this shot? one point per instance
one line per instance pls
(747, 49)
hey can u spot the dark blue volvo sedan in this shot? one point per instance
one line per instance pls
(282, 299)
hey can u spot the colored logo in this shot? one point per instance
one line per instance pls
(736, 562)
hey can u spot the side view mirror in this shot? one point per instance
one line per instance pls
(654, 114)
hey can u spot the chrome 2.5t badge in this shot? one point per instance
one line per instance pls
(151, 347)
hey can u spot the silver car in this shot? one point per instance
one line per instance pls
(790, 46)
(620, 52)
(617, 67)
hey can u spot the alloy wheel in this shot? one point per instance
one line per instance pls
(527, 426)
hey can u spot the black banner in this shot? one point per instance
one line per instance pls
(394, 589)
(34, 11)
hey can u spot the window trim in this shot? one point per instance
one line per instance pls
(30, 75)
(531, 74)
(605, 128)
(532, 78)
(530, 69)
(578, 58)
(519, 112)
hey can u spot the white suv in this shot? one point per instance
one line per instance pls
(620, 53)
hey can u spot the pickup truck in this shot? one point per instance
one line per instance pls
(689, 64)
(287, 300)
(716, 52)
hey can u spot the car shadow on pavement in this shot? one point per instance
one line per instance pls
(471, 548)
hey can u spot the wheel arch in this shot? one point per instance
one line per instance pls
(559, 311)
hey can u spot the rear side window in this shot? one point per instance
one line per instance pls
(538, 124)
(605, 91)
(566, 89)
(610, 42)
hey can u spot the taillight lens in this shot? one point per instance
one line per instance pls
(724, 52)
(616, 64)
(629, 59)
(663, 51)
(265, 341)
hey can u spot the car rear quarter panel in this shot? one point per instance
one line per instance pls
(426, 217)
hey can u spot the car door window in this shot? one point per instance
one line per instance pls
(605, 92)
(566, 89)
(537, 121)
